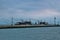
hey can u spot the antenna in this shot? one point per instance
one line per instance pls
(54, 20)
(12, 21)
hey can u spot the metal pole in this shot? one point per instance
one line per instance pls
(54, 20)
(12, 21)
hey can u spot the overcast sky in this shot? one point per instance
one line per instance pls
(29, 9)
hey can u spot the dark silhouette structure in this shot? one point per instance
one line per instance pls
(36, 23)
(24, 23)
(45, 23)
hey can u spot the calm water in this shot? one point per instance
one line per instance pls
(47, 33)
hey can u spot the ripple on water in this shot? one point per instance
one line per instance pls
(43, 33)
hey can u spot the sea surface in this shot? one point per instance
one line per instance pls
(41, 33)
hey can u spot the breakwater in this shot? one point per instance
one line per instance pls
(26, 26)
